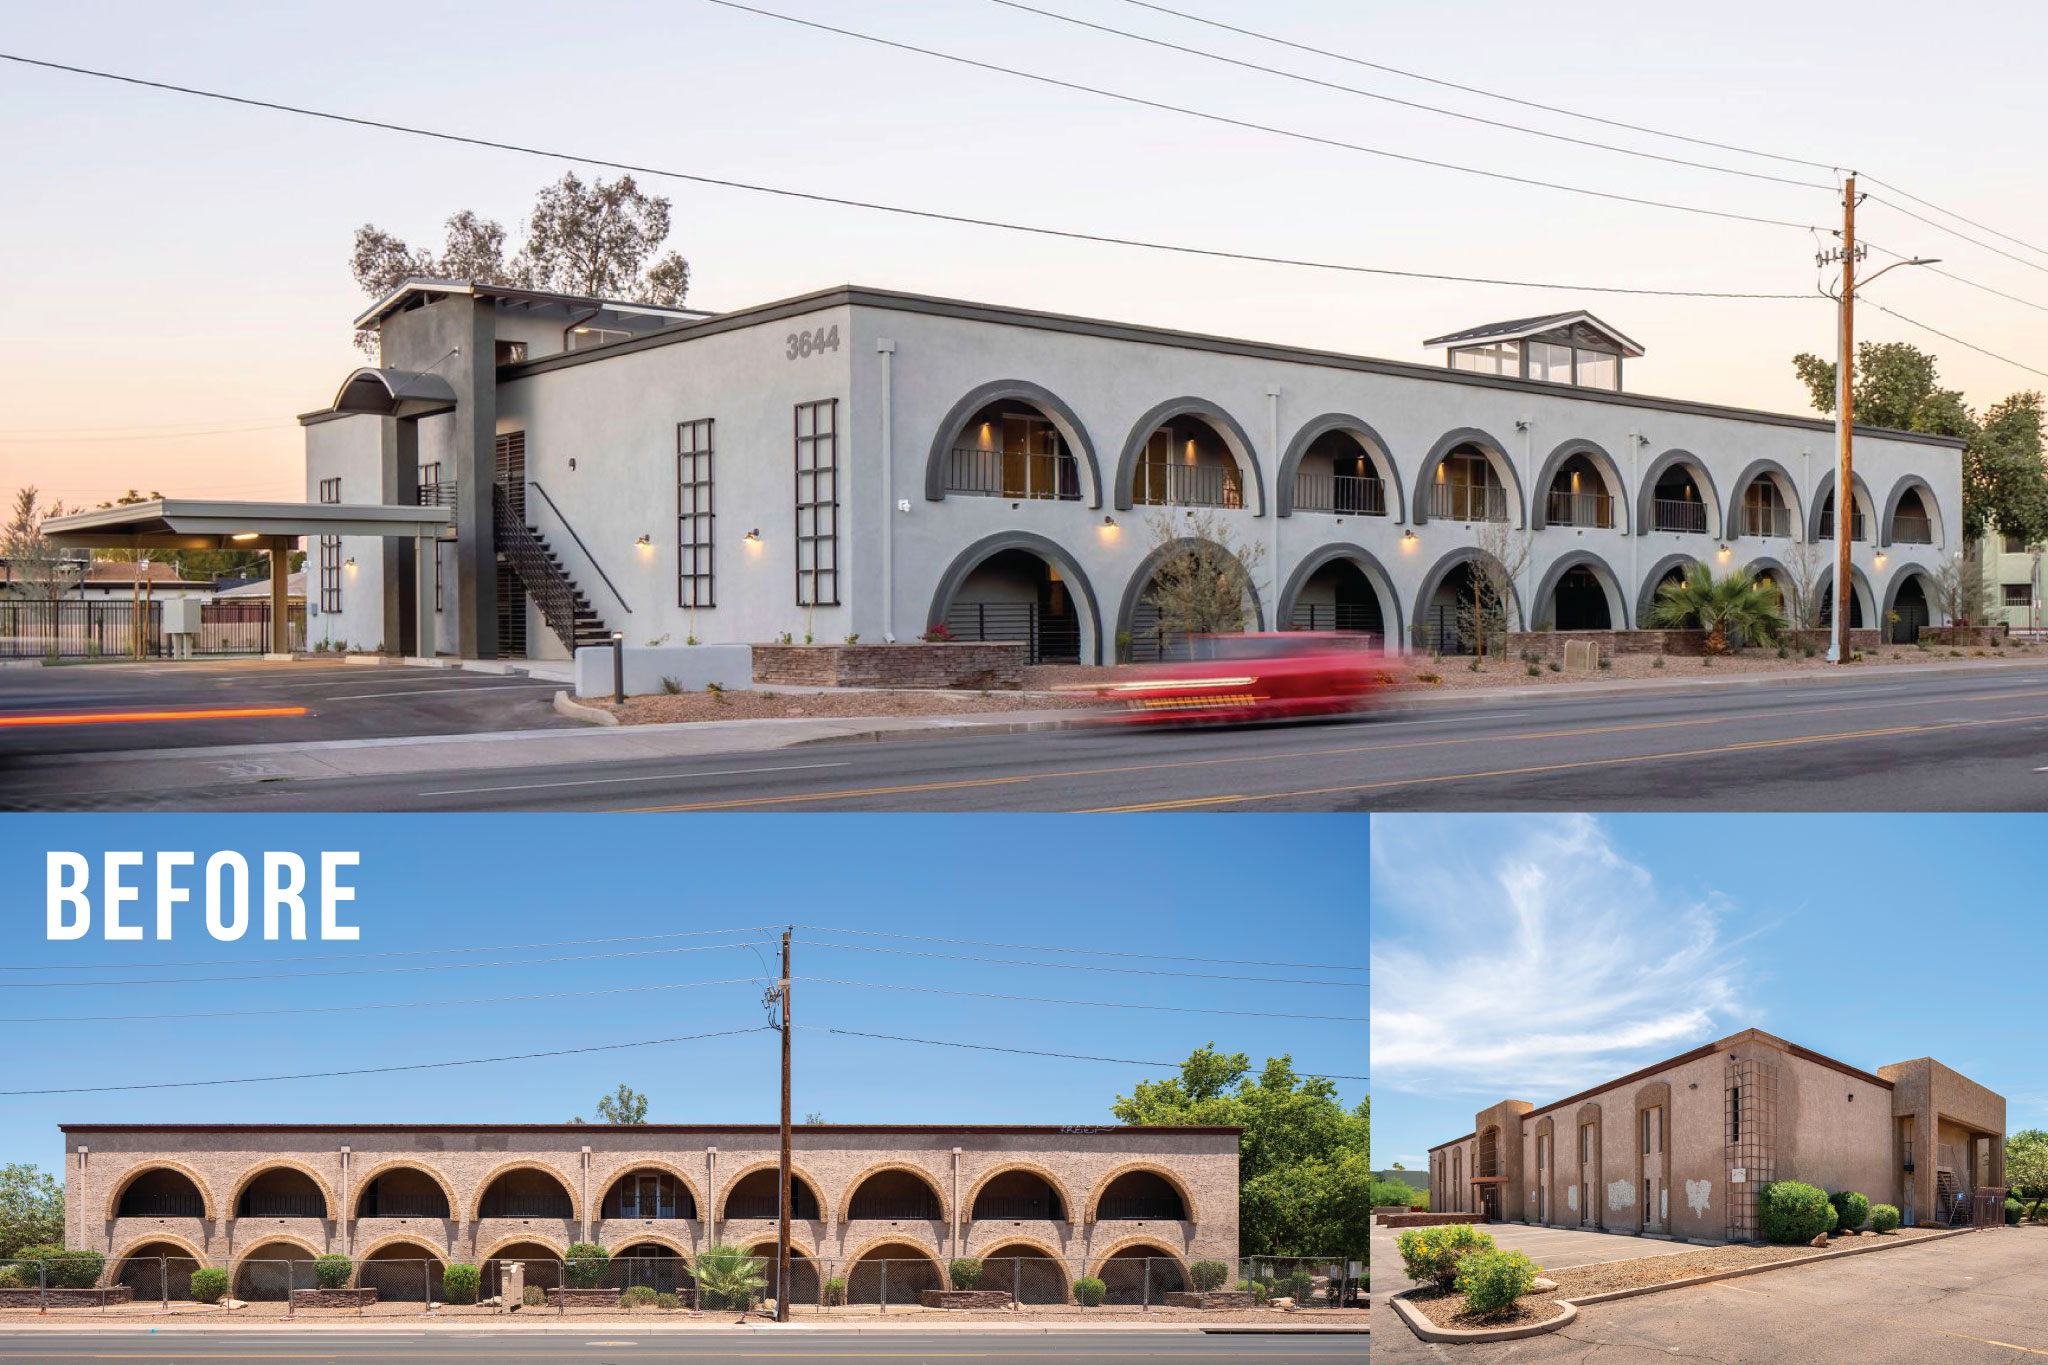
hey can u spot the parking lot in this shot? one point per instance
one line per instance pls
(1968, 1299)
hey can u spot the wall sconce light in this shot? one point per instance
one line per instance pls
(1109, 521)
(349, 563)
(246, 535)
(646, 542)
(753, 537)
(1879, 561)
(1409, 537)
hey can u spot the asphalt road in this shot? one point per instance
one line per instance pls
(1910, 742)
(610, 1344)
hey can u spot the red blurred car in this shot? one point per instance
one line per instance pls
(1229, 679)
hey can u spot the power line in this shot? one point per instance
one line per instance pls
(1092, 952)
(1248, 124)
(1960, 279)
(2017, 241)
(1026, 1052)
(1949, 336)
(409, 952)
(1479, 90)
(1306, 79)
(392, 1005)
(928, 215)
(7, 439)
(1047, 1000)
(357, 971)
(380, 1070)
(1079, 966)
(1942, 227)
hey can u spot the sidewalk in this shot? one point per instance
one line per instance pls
(648, 1324)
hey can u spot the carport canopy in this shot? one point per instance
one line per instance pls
(200, 524)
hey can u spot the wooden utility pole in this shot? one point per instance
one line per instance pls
(782, 1202)
(1845, 428)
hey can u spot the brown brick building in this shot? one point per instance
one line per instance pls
(216, 1194)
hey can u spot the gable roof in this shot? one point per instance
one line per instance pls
(1515, 329)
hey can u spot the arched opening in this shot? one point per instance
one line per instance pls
(157, 1270)
(1337, 475)
(1017, 595)
(161, 1193)
(1186, 462)
(754, 1197)
(1579, 601)
(1912, 606)
(1011, 448)
(281, 1193)
(1137, 1195)
(403, 1192)
(1026, 1271)
(402, 1272)
(648, 1193)
(910, 1271)
(527, 1192)
(895, 1194)
(651, 1264)
(1458, 605)
(1579, 496)
(1912, 524)
(1018, 1195)
(1859, 526)
(1858, 613)
(1766, 508)
(1338, 596)
(1458, 1180)
(543, 1266)
(1677, 503)
(1465, 486)
(804, 1286)
(268, 1272)
(1175, 573)
(1140, 1273)
(1487, 1168)
(1672, 573)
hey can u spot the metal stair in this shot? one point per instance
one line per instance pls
(539, 569)
(1951, 1197)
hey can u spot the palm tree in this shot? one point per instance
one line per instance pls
(1737, 604)
(728, 1277)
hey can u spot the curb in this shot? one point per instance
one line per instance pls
(1435, 696)
(1613, 1294)
(1429, 1331)
(967, 728)
(589, 715)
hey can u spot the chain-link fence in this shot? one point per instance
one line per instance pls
(404, 1281)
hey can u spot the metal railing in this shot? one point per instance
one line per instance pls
(1911, 528)
(438, 494)
(406, 1206)
(1350, 617)
(616, 594)
(1122, 1208)
(1156, 483)
(1680, 514)
(543, 579)
(883, 1206)
(83, 629)
(1050, 639)
(1017, 1206)
(309, 1205)
(135, 1205)
(1565, 508)
(1358, 495)
(526, 1206)
(1827, 525)
(767, 1206)
(1012, 474)
(1762, 520)
(1468, 502)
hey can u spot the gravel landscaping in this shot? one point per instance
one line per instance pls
(1453, 672)
(768, 704)
(1446, 1308)
(1606, 1276)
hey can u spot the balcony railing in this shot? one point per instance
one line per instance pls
(1761, 520)
(1680, 514)
(875, 1206)
(1015, 1206)
(438, 494)
(1579, 509)
(764, 1206)
(646, 1208)
(162, 1206)
(282, 1206)
(406, 1206)
(1909, 528)
(1012, 474)
(1345, 494)
(1131, 1207)
(1468, 502)
(1827, 525)
(1157, 484)
(527, 1206)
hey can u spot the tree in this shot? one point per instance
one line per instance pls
(1484, 617)
(1807, 561)
(1203, 580)
(1961, 591)
(38, 568)
(2026, 1166)
(1723, 607)
(1303, 1182)
(623, 1106)
(31, 1208)
(2004, 480)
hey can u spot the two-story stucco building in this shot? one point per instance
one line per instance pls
(1680, 1148)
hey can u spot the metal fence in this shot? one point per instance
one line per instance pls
(74, 629)
(401, 1282)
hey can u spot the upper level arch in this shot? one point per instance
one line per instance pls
(1677, 493)
(673, 1194)
(1912, 514)
(1565, 495)
(171, 1194)
(1373, 491)
(523, 1192)
(894, 1190)
(1820, 516)
(403, 1189)
(1219, 464)
(1468, 476)
(1014, 458)
(281, 1196)
(1773, 514)
(1011, 1209)
(1092, 1211)
(749, 1192)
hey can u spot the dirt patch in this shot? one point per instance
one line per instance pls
(1608, 1276)
(768, 704)
(1453, 672)
(1446, 1308)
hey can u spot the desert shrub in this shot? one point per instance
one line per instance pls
(965, 1273)
(209, 1284)
(66, 1268)
(1300, 1286)
(1208, 1275)
(586, 1265)
(639, 1296)
(1382, 1194)
(1852, 1210)
(2013, 1209)
(534, 1297)
(1491, 1281)
(835, 1293)
(1253, 1288)
(1884, 1218)
(332, 1272)
(1089, 1291)
(1432, 1254)
(671, 685)
(1791, 1212)
(17, 1277)
(459, 1282)
(728, 1277)
(667, 1301)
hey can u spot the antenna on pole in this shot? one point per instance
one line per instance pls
(782, 1202)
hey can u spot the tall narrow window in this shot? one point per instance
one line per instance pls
(696, 585)
(330, 555)
(817, 503)
(1646, 1132)
(1734, 1114)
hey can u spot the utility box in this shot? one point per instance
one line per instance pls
(181, 616)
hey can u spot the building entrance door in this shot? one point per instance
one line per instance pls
(1543, 1180)
(1489, 1202)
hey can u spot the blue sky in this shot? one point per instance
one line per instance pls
(1530, 957)
(1164, 885)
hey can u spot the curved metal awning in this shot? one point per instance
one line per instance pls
(394, 393)
(195, 524)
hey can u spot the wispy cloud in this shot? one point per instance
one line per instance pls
(1527, 957)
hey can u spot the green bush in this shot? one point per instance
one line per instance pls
(1791, 1212)
(835, 1293)
(1884, 1218)
(1852, 1210)
(2013, 1209)
(17, 1277)
(209, 1285)
(965, 1273)
(1491, 1281)
(728, 1277)
(332, 1272)
(1381, 1194)
(459, 1282)
(1089, 1291)
(639, 1296)
(1431, 1255)
(534, 1297)
(1300, 1286)
(667, 1301)
(1208, 1275)
(586, 1265)
(1253, 1288)
(65, 1268)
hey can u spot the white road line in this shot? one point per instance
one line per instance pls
(430, 691)
(657, 777)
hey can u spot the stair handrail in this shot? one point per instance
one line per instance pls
(534, 484)
(544, 580)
